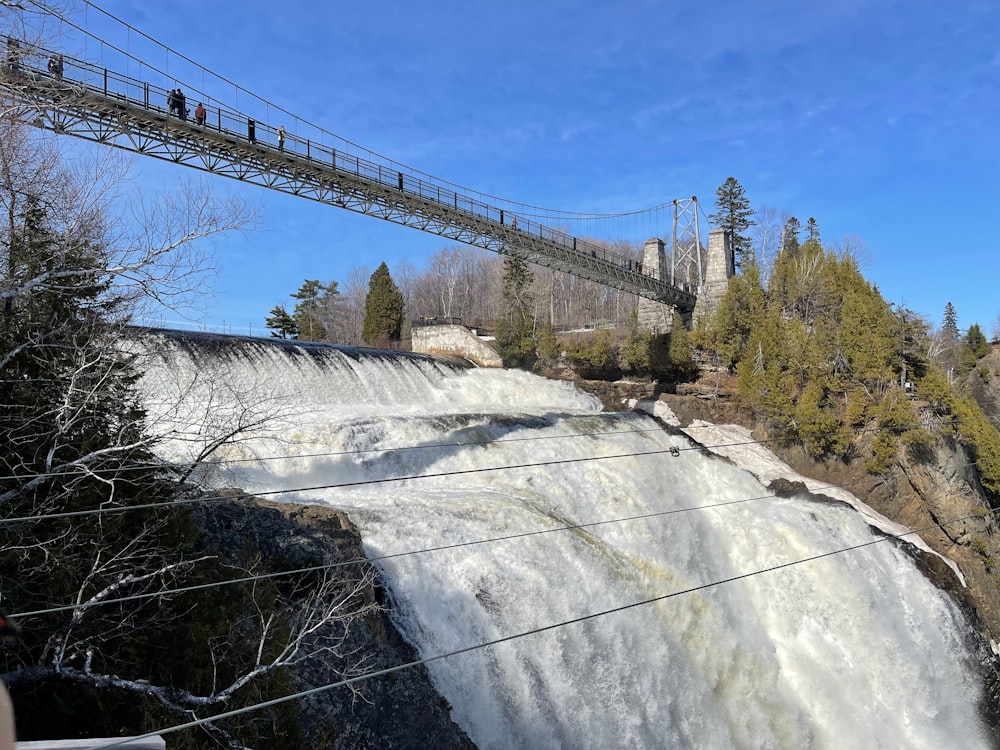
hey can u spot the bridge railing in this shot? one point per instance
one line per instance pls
(236, 125)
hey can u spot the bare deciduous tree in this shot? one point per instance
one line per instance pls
(93, 589)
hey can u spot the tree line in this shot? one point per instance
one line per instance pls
(460, 282)
(824, 359)
(527, 305)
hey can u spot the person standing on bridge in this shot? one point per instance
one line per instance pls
(13, 53)
(281, 138)
(181, 105)
(172, 101)
(200, 114)
(56, 66)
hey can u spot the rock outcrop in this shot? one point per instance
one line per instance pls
(984, 384)
(399, 710)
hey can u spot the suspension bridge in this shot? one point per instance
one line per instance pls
(107, 104)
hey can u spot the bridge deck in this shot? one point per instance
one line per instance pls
(97, 104)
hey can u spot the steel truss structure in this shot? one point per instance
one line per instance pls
(686, 259)
(117, 111)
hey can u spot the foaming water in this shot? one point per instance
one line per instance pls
(853, 650)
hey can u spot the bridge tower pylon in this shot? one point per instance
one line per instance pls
(685, 249)
(683, 269)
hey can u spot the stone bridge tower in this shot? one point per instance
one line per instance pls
(655, 317)
(720, 267)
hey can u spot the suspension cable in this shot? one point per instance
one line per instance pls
(522, 209)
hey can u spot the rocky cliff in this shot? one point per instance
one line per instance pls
(934, 491)
(984, 384)
(397, 711)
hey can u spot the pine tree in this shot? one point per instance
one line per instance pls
(308, 313)
(734, 215)
(972, 347)
(282, 324)
(975, 339)
(911, 346)
(383, 309)
(679, 351)
(790, 236)
(812, 229)
(515, 329)
(949, 323)
(739, 313)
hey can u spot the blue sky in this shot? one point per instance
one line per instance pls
(880, 119)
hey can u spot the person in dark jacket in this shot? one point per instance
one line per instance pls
(56, 66)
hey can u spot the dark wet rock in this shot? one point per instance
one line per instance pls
(400, 710)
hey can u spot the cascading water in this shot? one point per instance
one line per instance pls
(854, 650)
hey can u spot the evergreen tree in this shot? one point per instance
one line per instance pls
(790, 236)
(949, 323)
(308, 313)
(972, 347)
(947, 349)
(383, 309)
(515, 329)
(282, 324)
(637, 350)
(812, 229)
(735, 216)
(975, 339)
(548, 345)
(740, 311)
(911, 346)
(679, 351)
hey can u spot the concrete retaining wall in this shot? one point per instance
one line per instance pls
(454, 341)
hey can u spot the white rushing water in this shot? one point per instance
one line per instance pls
(857, 650)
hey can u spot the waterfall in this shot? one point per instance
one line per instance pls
(853, 650)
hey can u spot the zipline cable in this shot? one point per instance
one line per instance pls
(533, 631)
(379, 558)
(181, 466)
(457, 545)
(672, 450)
